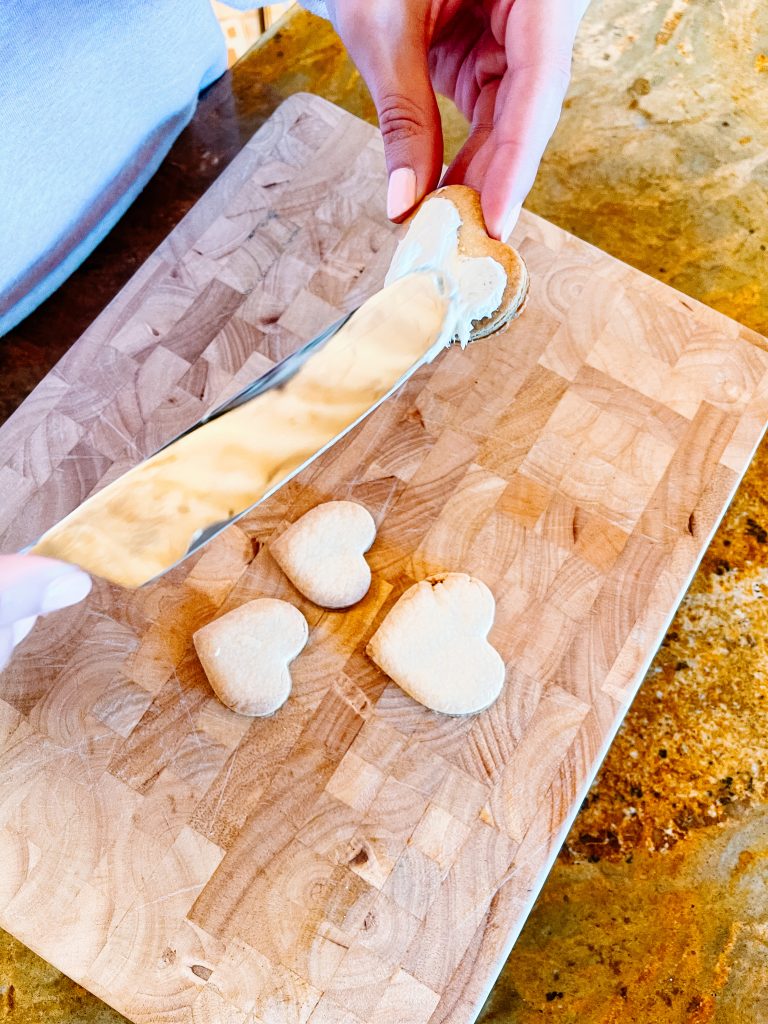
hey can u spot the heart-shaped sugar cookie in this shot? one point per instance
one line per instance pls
(246, 654)
(322, 553)
(474, 240)
(434, 645)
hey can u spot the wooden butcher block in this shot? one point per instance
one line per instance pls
(355, 858)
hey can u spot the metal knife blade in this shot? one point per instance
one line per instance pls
(276, 376)
(171, 504)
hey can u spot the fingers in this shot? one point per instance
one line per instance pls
(510, 221)
(388, 43)
(465, 169)
(529, 102)
(538, 38)
(471, 163)
(32, 586)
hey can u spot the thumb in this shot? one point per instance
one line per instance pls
(413, 140)
(31, 585)
(389, 46)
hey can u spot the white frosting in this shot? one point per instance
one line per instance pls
(433, 242)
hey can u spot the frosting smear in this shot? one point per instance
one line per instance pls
(432, 241)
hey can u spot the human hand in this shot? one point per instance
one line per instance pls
(32, 586)
(505, 63)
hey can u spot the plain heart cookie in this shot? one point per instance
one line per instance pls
(434, 645)
(323, 553)
(247, 652)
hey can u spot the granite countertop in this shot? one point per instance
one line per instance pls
(656, 910)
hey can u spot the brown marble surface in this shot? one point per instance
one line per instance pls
(657, 909)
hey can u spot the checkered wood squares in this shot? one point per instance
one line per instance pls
(355, 858)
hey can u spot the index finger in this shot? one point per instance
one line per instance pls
(538, 38)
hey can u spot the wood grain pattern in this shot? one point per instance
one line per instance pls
(355, 857)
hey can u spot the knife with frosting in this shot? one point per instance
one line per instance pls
(448, 283)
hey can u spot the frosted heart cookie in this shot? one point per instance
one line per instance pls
(246, 654)
(323, 553)
(448, 233)
(433, 643)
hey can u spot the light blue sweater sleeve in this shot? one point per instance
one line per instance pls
(92, 95)
(315, 6)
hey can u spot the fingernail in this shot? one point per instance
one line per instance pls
(66, 589)
(401, 194)
(511, 221)
(22, 628)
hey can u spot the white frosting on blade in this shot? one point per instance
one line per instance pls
(432, 241)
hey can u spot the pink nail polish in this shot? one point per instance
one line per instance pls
(401, 194)
(68, 588)
(22, 628)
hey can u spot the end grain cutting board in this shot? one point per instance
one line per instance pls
(356, 858)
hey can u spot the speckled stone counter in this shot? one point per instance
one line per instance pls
(657, 909)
